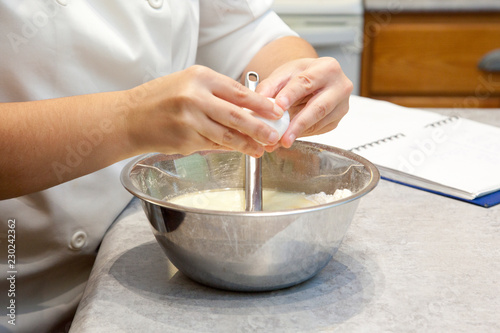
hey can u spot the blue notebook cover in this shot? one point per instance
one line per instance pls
(487, 201)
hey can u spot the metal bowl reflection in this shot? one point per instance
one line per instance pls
(250, 251)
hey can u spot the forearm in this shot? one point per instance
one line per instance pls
(44, 143)
(277, 53)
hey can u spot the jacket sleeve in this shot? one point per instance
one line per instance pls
(233, 31)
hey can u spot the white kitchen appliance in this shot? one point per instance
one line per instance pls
(333, 27)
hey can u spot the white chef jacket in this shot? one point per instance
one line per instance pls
(56, 48)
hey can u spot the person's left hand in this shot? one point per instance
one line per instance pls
(316, 93)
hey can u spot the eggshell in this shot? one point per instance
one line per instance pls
(280, 125)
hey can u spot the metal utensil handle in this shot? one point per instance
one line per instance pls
(252, 80)
(253, 166)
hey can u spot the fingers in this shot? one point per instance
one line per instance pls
(223, 119)
(199, 109)
(316, 75)
(321, 92)
(330, 122)
(274, 83)
(235, 119)
(321, 114)
(234, 92)
(222, 137)
(231, 108)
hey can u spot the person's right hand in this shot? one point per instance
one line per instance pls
(198, 109)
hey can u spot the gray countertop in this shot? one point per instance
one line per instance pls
(432, 5)
(411, 261)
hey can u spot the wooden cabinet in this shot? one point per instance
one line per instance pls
(430, 59)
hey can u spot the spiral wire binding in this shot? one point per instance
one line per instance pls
(443, 122)
(378, 142)
(435, 124)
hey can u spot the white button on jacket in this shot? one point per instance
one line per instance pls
(156, 3)
(56, 48)
(78, 240)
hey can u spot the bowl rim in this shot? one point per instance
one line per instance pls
(374, 179)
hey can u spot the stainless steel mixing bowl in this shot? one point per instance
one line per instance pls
(250, 251)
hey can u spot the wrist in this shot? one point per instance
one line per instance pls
(125, 109)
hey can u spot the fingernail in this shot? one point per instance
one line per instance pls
(284, 102)
(278, 111)
(273, 137)
(259, 152)
(291, 138)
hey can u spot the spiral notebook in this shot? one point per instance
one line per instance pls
(451, 156)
